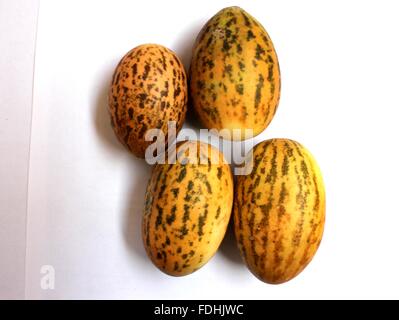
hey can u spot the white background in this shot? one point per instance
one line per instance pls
(339, 65)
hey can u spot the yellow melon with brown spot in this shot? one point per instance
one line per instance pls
(234, 75)
(187, 209)
(149, 88)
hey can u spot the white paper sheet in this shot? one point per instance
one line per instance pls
(17, 43)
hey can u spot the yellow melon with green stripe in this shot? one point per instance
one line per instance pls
(279, 210)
